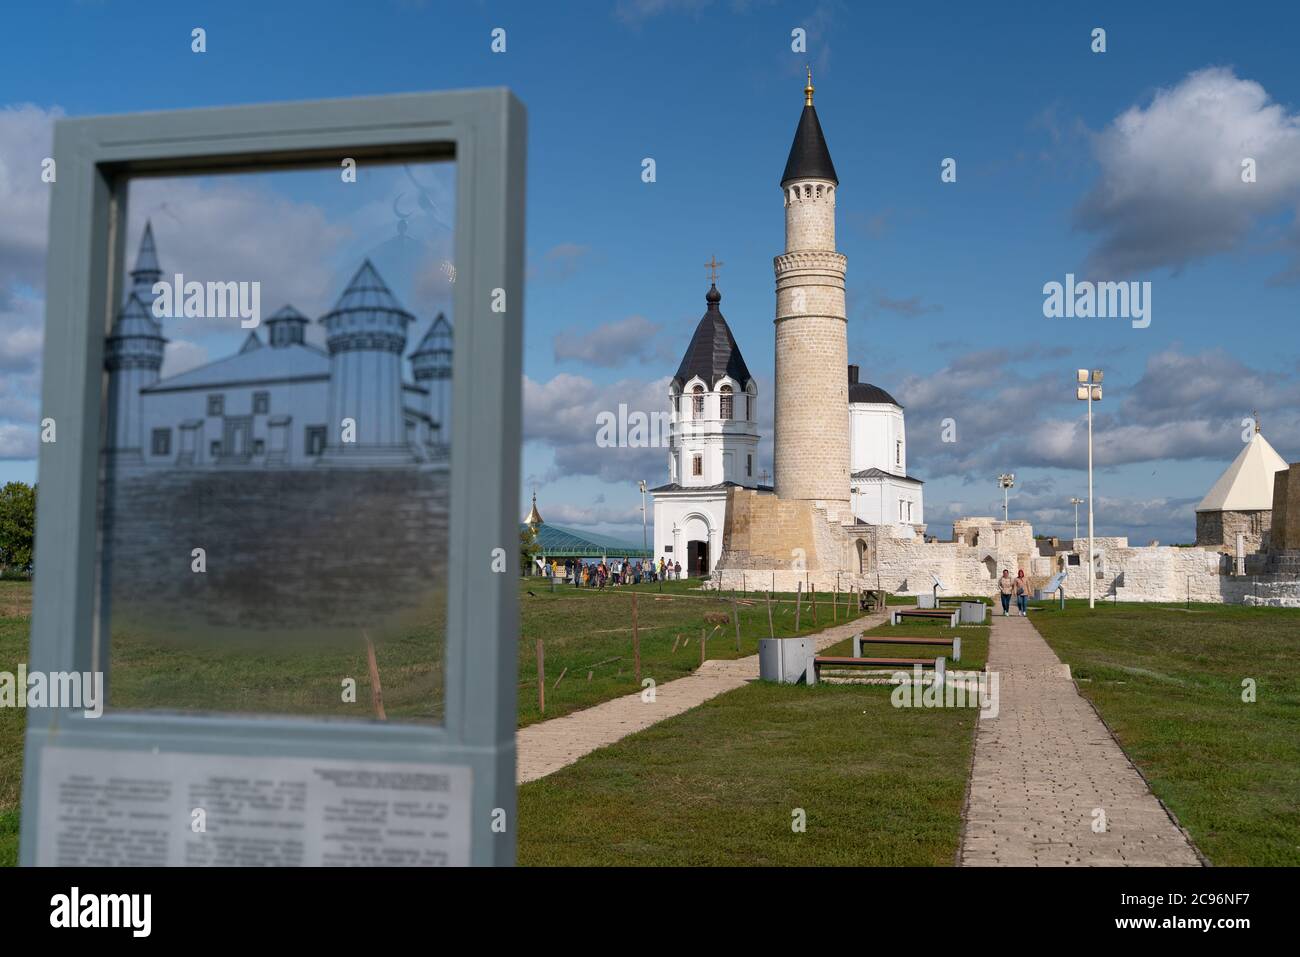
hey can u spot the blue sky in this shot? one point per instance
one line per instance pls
(1119, 165)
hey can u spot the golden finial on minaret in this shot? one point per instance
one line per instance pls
(808, 90)
(1254, 414)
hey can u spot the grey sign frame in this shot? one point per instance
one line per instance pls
(484, 131)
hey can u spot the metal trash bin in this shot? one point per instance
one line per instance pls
(785, 660)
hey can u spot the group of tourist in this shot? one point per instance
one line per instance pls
(1018, 586)
(627, 571)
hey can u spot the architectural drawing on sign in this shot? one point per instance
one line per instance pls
(280, 402)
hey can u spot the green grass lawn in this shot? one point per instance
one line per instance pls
(589, 632)
(1168, 680)
(719, 785)
(15, 617)
(584, 630)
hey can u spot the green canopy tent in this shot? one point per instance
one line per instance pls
(555, 541)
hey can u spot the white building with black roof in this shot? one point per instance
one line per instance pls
(713, 444)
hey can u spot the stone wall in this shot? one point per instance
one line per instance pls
(1219, 530)
(769, 531)
(288, 552)
(1285, 532)
(762, 531)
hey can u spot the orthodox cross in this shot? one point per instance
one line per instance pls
(712, 266)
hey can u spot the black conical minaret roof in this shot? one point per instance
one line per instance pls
(713, 352)
(809, 156)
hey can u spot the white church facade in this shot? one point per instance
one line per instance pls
(280, 402)
(712, 442)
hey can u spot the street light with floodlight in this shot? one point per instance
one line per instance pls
(1076, 502)
(1088, 389)
(644, 541)
(1006, 481)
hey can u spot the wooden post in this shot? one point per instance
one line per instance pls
(798, 602)
(814, 601)
(735, 614)
(771, 632)
(376, 692)
(636, 642)
(563, 672)
(835, 599)
(541, 677)
(701, 646)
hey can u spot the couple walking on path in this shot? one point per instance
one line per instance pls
(1018, 586)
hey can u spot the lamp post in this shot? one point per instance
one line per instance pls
(1006, 481)
(1088, 389)
(1076, 502)
(644, 541)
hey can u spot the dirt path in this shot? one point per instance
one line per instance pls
(547, 746)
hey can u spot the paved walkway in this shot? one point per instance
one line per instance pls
(547, 746)
(1046, 763)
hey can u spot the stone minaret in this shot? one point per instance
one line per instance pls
(811, 435)
(133, 354)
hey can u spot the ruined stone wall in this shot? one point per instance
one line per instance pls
(1219, 530)
(762, 531)
(904, 566)
(1285, 532)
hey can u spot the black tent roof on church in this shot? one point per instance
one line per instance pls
(712, 352)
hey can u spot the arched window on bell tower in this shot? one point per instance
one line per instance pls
(726, 402)
(698, 399)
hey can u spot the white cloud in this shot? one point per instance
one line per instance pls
(26, 137)
(561, 414)
(1171, 189)
(17, 442)
(21, 320)
(610, 344)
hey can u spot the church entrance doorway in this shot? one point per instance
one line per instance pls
(697, 558)
(237, 438)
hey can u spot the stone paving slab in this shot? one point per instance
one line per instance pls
(547, 746)
(1046, 764)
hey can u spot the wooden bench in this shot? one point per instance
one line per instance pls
(828, 661)
(954, 642)
(896, 615)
